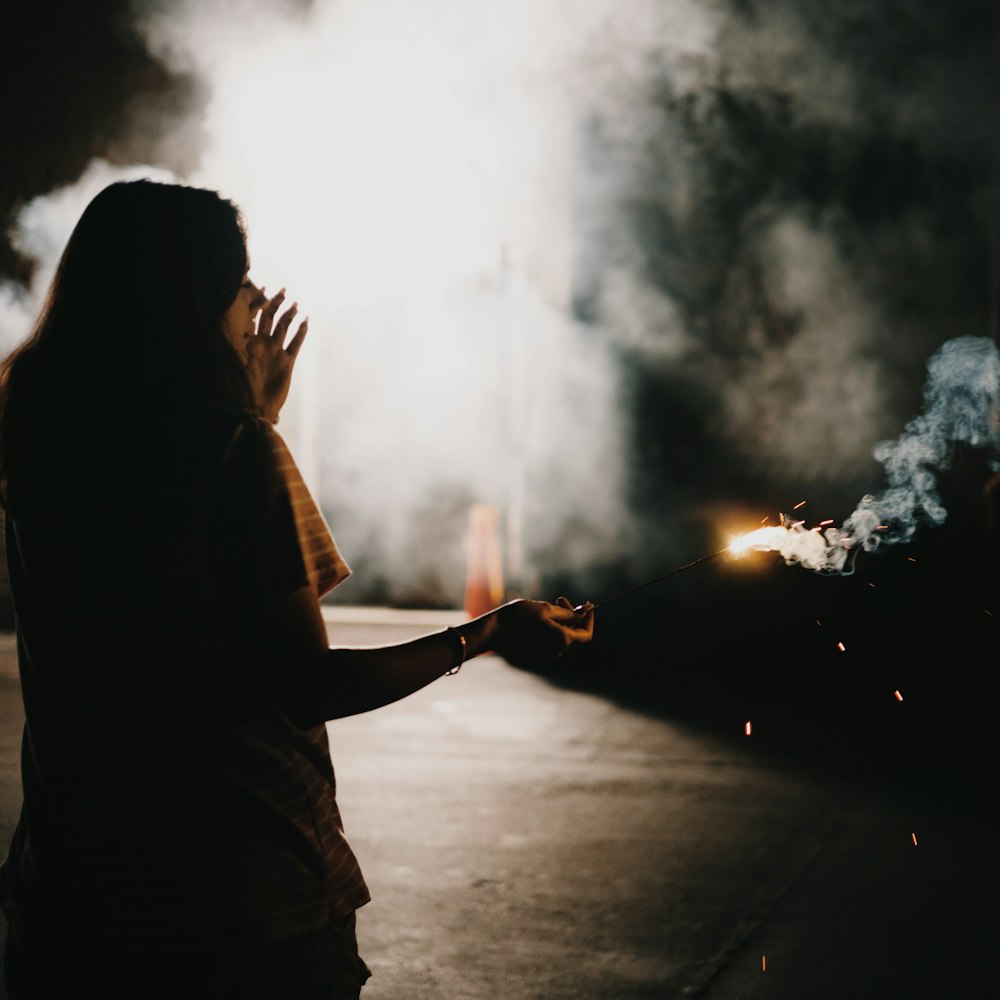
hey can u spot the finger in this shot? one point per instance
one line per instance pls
(281, 327)
(563, 602)
(267, 314)
(295, 344)
(564, 614)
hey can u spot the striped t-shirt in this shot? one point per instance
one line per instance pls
(168, 798)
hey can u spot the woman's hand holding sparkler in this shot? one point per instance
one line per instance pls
(269, 361)
(536, 633)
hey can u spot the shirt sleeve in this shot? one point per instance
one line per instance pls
(273, 539)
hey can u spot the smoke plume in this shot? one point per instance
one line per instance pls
(961, 407)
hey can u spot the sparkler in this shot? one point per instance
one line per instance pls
(792, 539)
(649, 583)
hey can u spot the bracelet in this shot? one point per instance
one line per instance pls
(459, 648)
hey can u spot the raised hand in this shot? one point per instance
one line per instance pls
(269, 361)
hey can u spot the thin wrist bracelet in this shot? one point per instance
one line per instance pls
(459, 647)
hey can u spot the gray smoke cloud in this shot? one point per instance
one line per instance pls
(724, 239)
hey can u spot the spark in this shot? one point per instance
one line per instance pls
(763, 963)
(914, 836)
(899, 697)
(747, 728)
(841, 647)
(801, 503)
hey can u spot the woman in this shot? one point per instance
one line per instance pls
(180, 833)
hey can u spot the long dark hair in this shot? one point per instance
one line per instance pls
(131, 329)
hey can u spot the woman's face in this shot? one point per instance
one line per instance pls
(238, 323)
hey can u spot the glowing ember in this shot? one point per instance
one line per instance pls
(841, 647)
(801, 503)
(914, 836)
(747, 728)
(763, 963)
(899, 697)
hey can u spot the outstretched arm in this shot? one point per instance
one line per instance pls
(314, 683)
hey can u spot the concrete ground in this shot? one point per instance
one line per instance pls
(536, 840)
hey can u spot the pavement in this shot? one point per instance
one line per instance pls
(579, 837)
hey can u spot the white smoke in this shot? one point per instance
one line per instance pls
(413, 174)
(961, 407)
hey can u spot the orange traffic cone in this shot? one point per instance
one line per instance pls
(484, 578)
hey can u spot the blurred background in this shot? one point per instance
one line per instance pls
(593, 285)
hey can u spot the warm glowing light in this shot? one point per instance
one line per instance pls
(841, 647)
(747, 728)
(914, 836)
(899, 697)
(762, 540)
(823, 524)
(818, 548)
(801, 503)
(870, 584)
(763, 963)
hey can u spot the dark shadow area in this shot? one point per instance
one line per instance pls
(814, 662)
